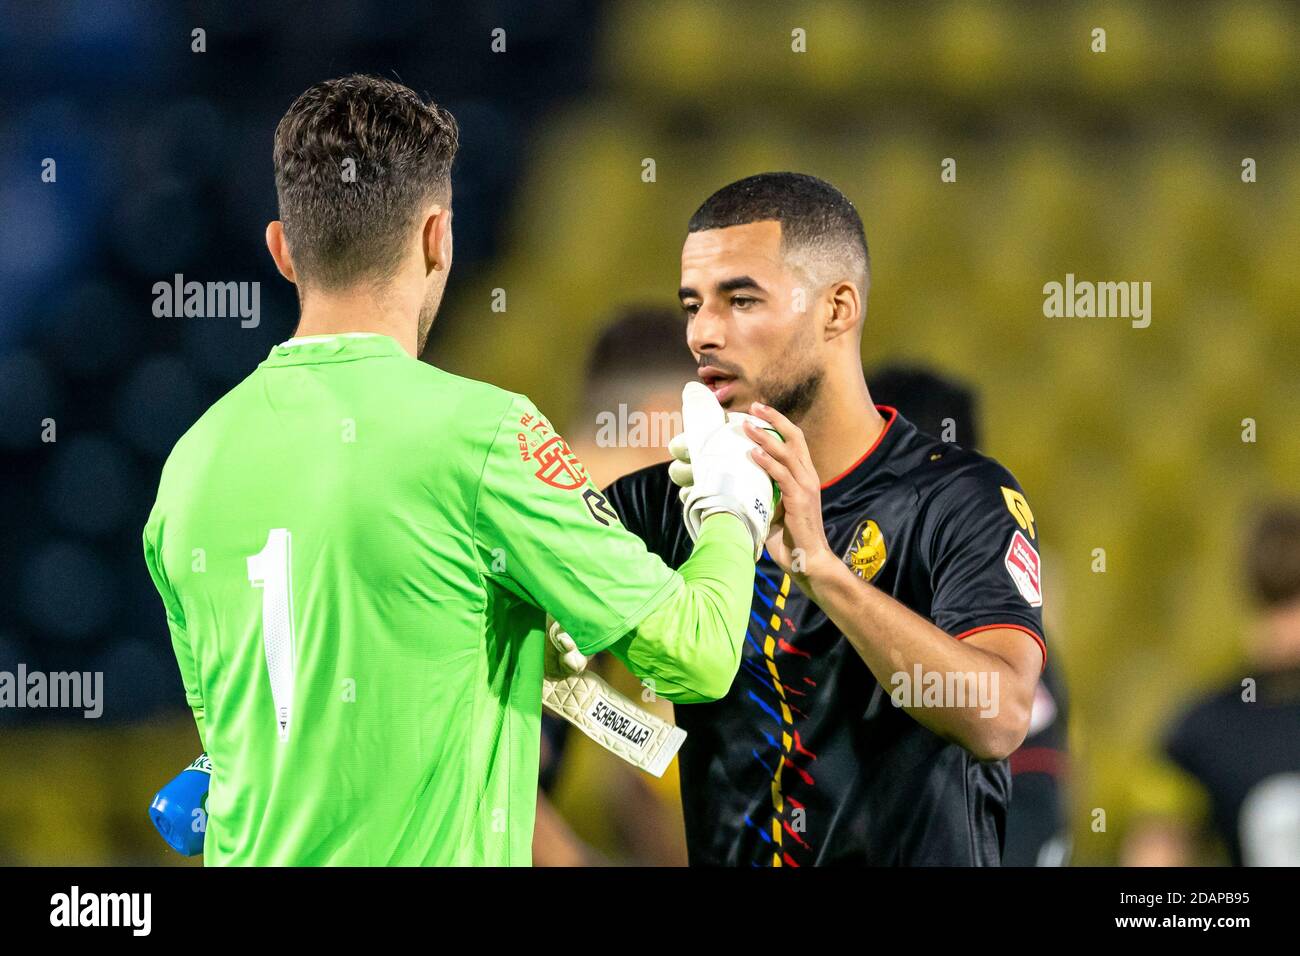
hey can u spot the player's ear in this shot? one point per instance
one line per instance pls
(845, 310)
(279, 249)
(437, 239)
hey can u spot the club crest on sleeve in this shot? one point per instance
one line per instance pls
(866, 553)
(1023, 566)
(556, 464)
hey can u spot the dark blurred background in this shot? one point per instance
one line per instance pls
(1123, 165)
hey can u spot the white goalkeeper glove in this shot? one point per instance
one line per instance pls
(713, 468)
(611, 719)
(562, 658)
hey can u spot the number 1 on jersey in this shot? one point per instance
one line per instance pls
(271, 570)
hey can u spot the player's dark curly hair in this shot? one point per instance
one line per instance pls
(356, 159)
(815, 218)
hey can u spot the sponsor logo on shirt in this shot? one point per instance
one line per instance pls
(1019, 509)
(1023, 566)
(598, 507)
(866, 554)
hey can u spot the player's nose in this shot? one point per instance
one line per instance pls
(706, 332)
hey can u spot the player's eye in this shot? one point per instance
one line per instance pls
(690, 308)
(743, 302)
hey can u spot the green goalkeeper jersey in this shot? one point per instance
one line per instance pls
(353, 548)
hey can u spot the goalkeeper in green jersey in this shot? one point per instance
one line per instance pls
(356, 550)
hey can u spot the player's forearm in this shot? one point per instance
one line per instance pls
(896, 643)
(690, 647)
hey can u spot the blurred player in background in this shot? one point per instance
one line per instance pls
(354, 548)
(1036, 830)
(630, 409)
(895, 559)
(1237, 750)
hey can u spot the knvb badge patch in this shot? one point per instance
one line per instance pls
(556, 464)
(1023, 566)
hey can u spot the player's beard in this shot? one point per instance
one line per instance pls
(789, 389)
(792, 396)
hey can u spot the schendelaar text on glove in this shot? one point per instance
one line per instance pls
(618, 722)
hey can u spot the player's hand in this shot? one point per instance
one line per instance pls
(797, 542)
(713, 468)
(562, 659)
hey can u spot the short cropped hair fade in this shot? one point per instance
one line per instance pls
(818, 222)
(345, 222)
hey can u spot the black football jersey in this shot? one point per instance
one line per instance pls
(1246, 754)
(806, 761)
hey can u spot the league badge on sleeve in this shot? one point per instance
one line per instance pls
(1023, 565)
